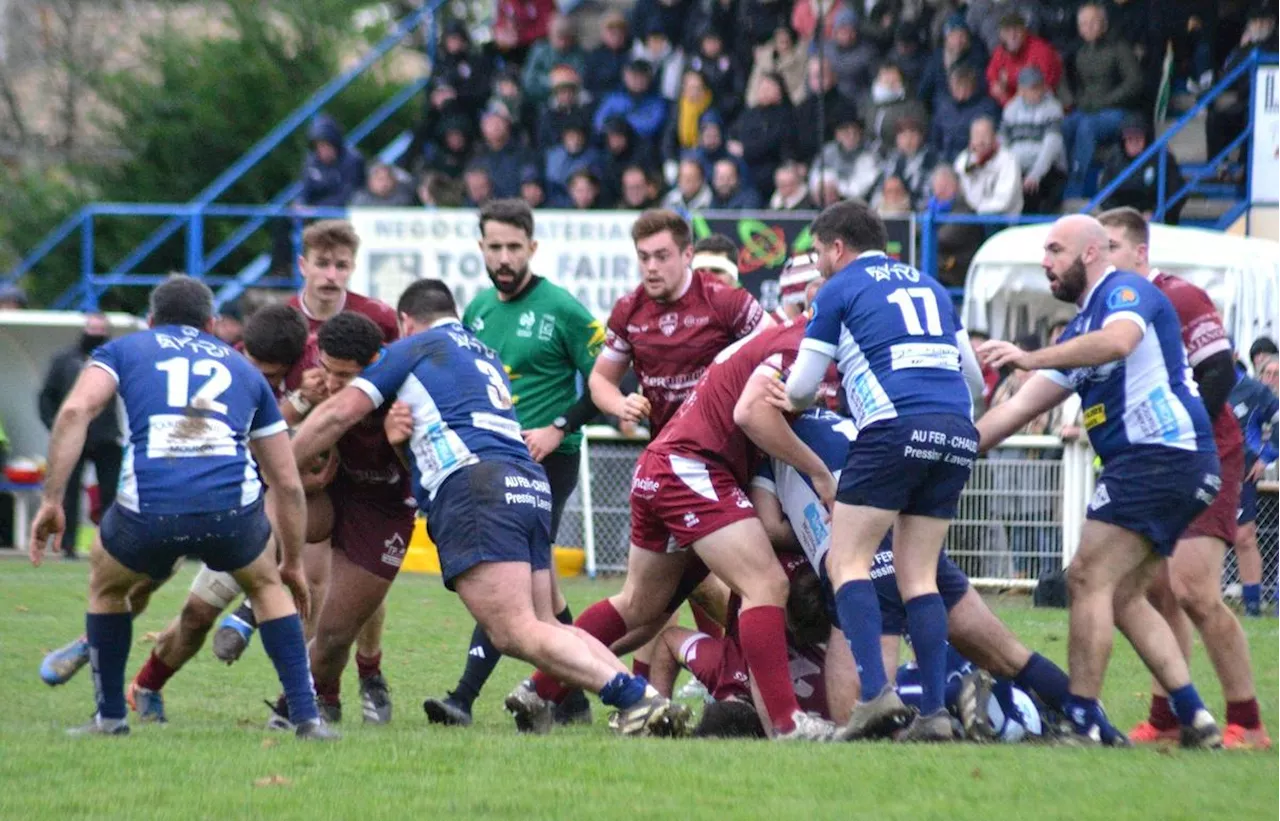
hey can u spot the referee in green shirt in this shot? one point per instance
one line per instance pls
(546, 339)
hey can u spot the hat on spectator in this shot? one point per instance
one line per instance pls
(1133, 124)
(457, 28)
(563, 75)
(641, 65)
(1030, 76)
(1013, 20)
(12, 293)
(530, 173)
(842, 114)
(575, 121)
(845, 17)
(955, 22)
(497, 108)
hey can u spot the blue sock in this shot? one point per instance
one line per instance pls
(1252, 595)
(110, 635)
(283, 640)
(859, 611)
(623, 691)
(1086, 713)
(927, 626)
(1045, 679)
(1186, 703)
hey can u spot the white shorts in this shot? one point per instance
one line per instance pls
(215, 589)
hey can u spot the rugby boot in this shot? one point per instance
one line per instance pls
(375, 700)
(148, 704)
(532, 713)
(931, 729)
(876, 718)
(279, 715)
(1202, 734)
(972, 703)
(1239, 737)
(653, 715)
(1148, 733)
(62, 664)
(232, 637)
(447, 711)
(330, 711)
(101, 726)
(316, 729)
(575, 709)
(808, 728)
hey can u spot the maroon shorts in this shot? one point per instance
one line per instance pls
(373, 532)
(1219, 519)
(676, 500)
(718, 664)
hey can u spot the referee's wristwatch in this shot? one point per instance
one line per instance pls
(561, 424)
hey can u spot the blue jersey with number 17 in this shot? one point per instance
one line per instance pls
(892, 332)
(461, 402)
(192, 405)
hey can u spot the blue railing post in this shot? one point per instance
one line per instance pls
(1161, 193)
(295, 237)
(195, 242)
(89, 297)
(928, 243)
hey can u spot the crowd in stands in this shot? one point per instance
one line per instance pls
(986, 107)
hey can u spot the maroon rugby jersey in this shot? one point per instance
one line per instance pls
(377, 310)
(368, 467)
(670, 344)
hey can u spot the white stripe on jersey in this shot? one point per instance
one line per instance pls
(1153, 414)
(868, 401)
(127, 492)
(438, 451)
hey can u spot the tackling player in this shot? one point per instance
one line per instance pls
(1123, 354)
(1190, 583)
(1256, 409)
(900, 350)
(200, 417)
(487, 503)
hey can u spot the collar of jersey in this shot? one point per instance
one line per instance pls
(1111, 269)
(866, 254)
(447, 320)
(302, 303)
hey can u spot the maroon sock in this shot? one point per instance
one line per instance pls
(603, 621)
(329, 691)
(1162, 716)
(1244, 713)
(154, 673)
(705, 623)
(640, 668)
(369, 666)
(550, 688)
(763, 637)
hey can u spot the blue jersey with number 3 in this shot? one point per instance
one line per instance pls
(892, 332)
(461, 402)
(191, 404)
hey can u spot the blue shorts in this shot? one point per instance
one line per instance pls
(916, 465)
(491, 512)
(1156, 492)
(952, 585)
(152, 543)
(1248, 512)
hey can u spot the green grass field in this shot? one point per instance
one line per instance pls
(214, 761)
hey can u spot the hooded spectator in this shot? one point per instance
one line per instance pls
(957, 241)
(721, 17)
(499, 153)
(458, 66)
(332, 172)
(521, 113)
(1031, 128)
(731, 192)
(385, 188)
(989, 174)
(452, 152)
(822, 93)
(573, 153)
(908, 54)
(668, 16)
(685, 122)
(691, 194)
(963, 104)
(764, 135)
(1140, 189)
(784, 56)
(1018, 49)
(846, 167)
(604, 63)
(567, 102)
(887, 104)
(504, 51)
(912, 160)
(666, 59)
(623, 148)
(724, 76)
(853, 60)
(958, 46)
(644, 110)
(711, 143)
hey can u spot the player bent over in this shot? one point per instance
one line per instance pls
(200, 417)
(487, 502)
(1123, 354)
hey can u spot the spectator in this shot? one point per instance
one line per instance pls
(720, 17)
(666, 59)
(957, 47)
(887, 104)
(1131, 20)
(763, 136)
(458, 67)
(332, 171)
(1103, 84)
(1058, 24)
(954, 113)
(1018, 49)
(532, 189)
(724, 76)
(1228, 117)
(442, 108)
(573, 154)
(781, 56)
(529, 20)
(853, 60)
(452, 152)
(1188, 27)
(789, 190)
(846, 164)
(1262, 349)
(908, 55)
(623, 149)
(957, 241)
(12, 298)
(435, 190)
(639, 191)
(568, 103)
(228, 326)
(730, 193)
(711, 145)
(1269, 374)
(645, 111)
(504, 51)
(985, 18)
(498, 153)
(892, 198)
(522, 116)
(604, 63)
(758, 20)
(1031, 128)
(1140, 188)
(584, 190)
(102, 444)
(684, 125)
(691, 193)
(384, 189)
(822, 93)
(911, 161)
(804, 17)
(477, 186)
(989, 174)
(667, 16)
(560, 48)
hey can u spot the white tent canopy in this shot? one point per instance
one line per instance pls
(1007, 293)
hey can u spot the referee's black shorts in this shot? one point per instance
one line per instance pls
(562, 474)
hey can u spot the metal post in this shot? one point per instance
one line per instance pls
(195, 243)
(89, 296)
(588, 508)
(295, 235)
(928, 244)
(1161, 168)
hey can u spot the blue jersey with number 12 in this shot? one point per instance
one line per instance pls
(892, 332)
(461, 402)
(191, 404)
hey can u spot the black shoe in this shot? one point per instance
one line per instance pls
(375, 700)
(316, 730)
(573, 710)
(448, 711)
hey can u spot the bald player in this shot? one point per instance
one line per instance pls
(1123, 354)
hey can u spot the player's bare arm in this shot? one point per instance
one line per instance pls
(769, 509)
(1112, 342)
(275, 460)
(311, 392)
(606, 376)
(768, 428)
(90, 395)
(1039, 394)
(398, 426)
(326, 424)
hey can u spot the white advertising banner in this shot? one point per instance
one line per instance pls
(587, 252)
(1265, 152)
